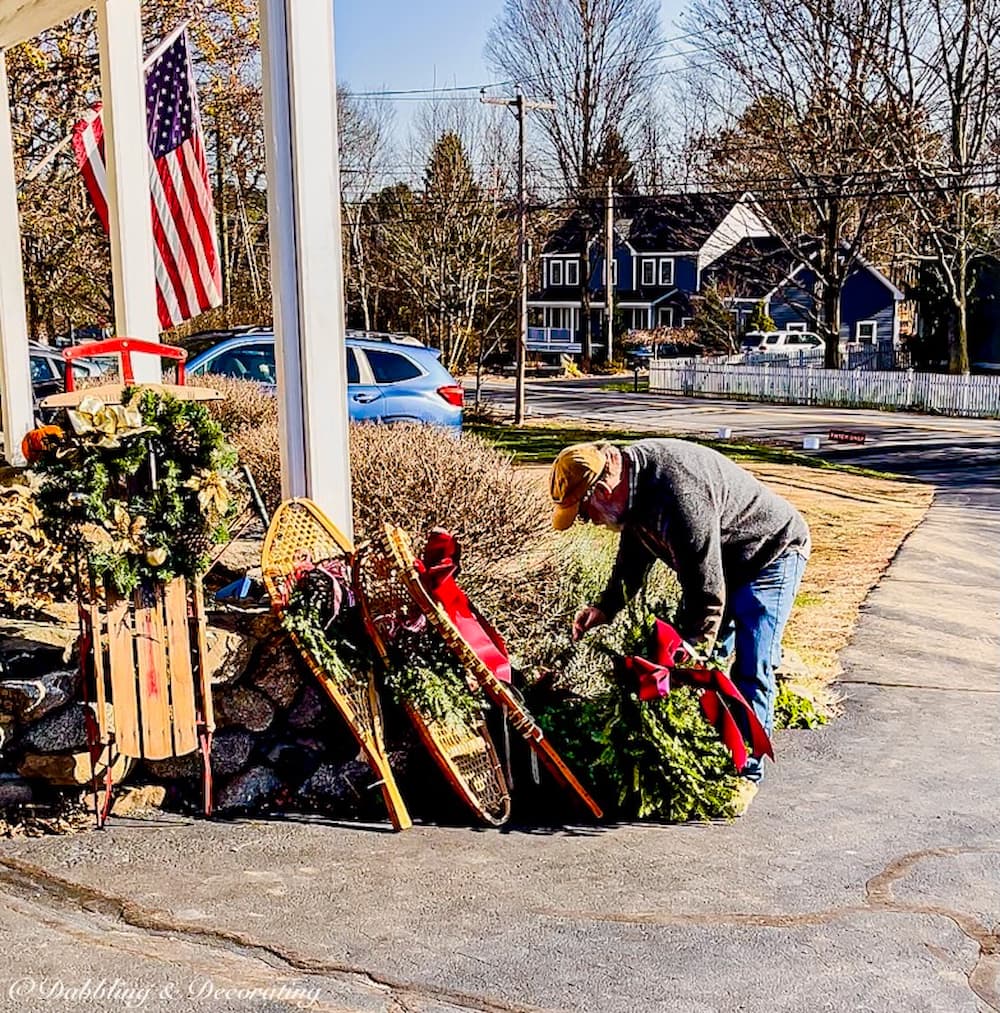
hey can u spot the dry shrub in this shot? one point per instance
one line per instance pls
(528, 579)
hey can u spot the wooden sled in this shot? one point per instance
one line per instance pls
(397, 546)
(300, 534)
(143, 665)
(461, 747)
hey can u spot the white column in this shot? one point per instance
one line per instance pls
(15, 371)
(303, 198)
(123, 90)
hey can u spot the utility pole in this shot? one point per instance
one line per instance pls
(520, 105)
(609, 274)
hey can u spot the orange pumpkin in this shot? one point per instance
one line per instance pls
(36, 442)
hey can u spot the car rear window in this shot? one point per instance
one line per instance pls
(391, 367)
(352, 367)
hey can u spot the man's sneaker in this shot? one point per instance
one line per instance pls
(744, 796)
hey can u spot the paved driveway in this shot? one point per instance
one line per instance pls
(866, 877)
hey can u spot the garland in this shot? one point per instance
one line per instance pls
(141, 490)
(421, 673)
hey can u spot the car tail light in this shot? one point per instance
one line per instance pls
(453, 394)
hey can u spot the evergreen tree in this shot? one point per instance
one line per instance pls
(713, 322)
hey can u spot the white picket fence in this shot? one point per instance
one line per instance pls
(973, 396)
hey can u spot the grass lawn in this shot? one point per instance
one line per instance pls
(858, 519)
(538, 443)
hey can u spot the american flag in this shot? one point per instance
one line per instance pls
(188, 272)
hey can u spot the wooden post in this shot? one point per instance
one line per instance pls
(15, 371)
(130, 224)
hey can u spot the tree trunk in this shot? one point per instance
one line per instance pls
(831, 323)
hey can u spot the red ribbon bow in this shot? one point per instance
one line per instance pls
(438, 570)
(718, 698)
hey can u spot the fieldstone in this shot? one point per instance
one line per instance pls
(253, 790)
(73, 768)
(30, 699)
(310, 711)
(22, 657)
(176, 767)
(245, 707)
(61, 731)
(336, 787)
(139, 799)
(14, 790)
(276, 672)
(230, 751)
(229, 647)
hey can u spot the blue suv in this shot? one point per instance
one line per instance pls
(390, 377)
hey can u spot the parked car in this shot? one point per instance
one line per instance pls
(390, 377)
(48, 369)
(782, 342)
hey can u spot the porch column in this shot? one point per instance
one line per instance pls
(303, 199)
(15, 370)
(130, 224)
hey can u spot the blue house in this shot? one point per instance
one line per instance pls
(668, 249)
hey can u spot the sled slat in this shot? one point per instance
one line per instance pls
(122, 664)
(181, 677)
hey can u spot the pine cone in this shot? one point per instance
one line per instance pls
(185, 439)
(196, 543)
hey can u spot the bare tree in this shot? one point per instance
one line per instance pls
(805, 125)
(591, 58)
(943, 72)
(364, 132)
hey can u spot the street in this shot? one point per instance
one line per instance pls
(923, 446)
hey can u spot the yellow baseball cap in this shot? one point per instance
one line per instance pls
(574, 471)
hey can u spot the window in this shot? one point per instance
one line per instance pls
(555, 272)
(572, 272)
(614, 273)
(391, 367)
(649, 272)
(771, 339)
(867, 332)
(41, 369)
(353, 376)
(665, 316)
(795, 325)
(251, 362)
(666, 272)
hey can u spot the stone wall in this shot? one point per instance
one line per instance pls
(279, 742)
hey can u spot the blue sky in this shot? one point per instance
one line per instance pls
(400, 44)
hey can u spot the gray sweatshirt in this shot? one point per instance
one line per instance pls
(708, 519)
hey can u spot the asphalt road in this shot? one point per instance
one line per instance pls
(920, 445)
(866, 876)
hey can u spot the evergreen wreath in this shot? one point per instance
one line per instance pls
(141, 490)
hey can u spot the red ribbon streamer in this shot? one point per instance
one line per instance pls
(438, 570)
(718, 699)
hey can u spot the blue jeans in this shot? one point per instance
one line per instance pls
(755, 620)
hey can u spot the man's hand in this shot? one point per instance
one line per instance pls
(586, 619)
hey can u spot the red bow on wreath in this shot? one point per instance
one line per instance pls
(438, 570)
(719, 697)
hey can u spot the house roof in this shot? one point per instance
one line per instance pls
(680, 221)
(664, 224)
(752, 268)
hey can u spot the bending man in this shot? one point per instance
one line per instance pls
(737, 548)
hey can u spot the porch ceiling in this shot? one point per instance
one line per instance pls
(21, 19)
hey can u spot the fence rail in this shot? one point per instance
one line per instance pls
(972, 396)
